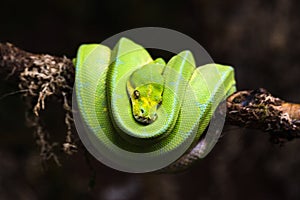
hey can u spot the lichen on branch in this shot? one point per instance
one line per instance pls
(42, 76)
(259, 109)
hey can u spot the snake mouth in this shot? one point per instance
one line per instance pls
(145, 119)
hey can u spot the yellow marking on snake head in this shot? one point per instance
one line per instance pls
(145, 101)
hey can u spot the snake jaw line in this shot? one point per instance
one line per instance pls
(145, 120)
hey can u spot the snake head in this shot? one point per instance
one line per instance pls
(145, 101)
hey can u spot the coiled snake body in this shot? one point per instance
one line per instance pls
(146, 113)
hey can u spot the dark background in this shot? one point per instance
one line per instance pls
(261, 39)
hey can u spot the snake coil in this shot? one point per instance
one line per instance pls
(189, 99)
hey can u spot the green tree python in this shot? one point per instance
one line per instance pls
(143, 111)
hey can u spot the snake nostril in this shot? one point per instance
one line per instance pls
(142, 111)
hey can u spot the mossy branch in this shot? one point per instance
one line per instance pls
(42, 76)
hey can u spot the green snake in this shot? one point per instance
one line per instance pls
(143, 111)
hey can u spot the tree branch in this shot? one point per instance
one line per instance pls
(260, 110)
(42, 76)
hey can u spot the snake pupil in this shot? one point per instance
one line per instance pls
(136, 94)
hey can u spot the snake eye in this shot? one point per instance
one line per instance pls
(136, 94)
